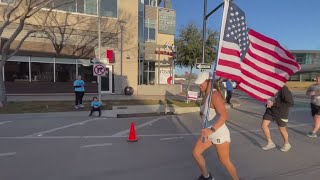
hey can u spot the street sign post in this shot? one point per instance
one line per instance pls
(203, 66)
(99, 70)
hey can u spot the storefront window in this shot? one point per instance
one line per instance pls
(65, 72)
(149, 73)
(16, 71)
(42, 72)
(86, 73)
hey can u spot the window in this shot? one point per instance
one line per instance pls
(91, 7)
(150, 30)
(80, 6)
(301, 58)
(149, 72)
(7, 1)
(140, 26)
(42, 72)
(151, 3)
(16, 71)
(65, 5)
(65, 72)
(86, 73)
(109, 8)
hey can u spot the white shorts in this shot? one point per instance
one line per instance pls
(220, 136)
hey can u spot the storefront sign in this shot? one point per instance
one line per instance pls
(165, 76)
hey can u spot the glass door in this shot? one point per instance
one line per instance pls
(106, 81)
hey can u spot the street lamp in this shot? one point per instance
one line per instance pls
(121, 23)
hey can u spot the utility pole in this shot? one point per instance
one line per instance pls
(204, 29)
(99, 46)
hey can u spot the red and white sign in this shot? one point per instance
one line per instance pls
(192, 95)
(99, 70)
(165, 76)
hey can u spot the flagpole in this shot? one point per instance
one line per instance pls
(223, 23)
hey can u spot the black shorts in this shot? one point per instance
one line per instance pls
(315, 110)
(282, 122)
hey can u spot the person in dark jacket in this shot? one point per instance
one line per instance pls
(278, 111)
(229, 88)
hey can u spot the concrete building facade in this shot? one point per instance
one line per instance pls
(132, 48)
(310, 64)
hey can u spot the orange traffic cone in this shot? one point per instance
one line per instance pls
(132, 135)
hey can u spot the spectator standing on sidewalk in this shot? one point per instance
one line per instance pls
(229, 89)
(278, 111)
(314, 92)
(79, 91)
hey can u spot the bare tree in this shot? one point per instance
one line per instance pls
(77, 33)
(18, 12)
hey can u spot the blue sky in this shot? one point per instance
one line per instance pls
(294, 23)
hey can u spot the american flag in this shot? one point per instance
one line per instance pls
(258, 63)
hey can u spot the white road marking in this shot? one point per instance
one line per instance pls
(121, 133)
(8, 154)
(1, 123)
(143, 135)
(96, 145)
(63, 127)
(172, 138)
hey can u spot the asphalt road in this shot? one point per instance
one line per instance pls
(70, 146)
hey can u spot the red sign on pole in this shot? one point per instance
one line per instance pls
(109, 54)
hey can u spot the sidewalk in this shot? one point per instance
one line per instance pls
(118, 111)
(88, 96)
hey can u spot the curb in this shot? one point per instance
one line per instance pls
(153, 110)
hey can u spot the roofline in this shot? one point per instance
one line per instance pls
(304, 51)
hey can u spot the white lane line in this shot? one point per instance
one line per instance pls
(1, 123)
(172, 138)
(121, 133)
(8, 154)
(96, 145)
(143, 135)
(63, 127)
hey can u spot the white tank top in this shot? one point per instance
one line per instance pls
(212, 116)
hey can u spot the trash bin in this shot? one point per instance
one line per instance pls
(128, 90)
